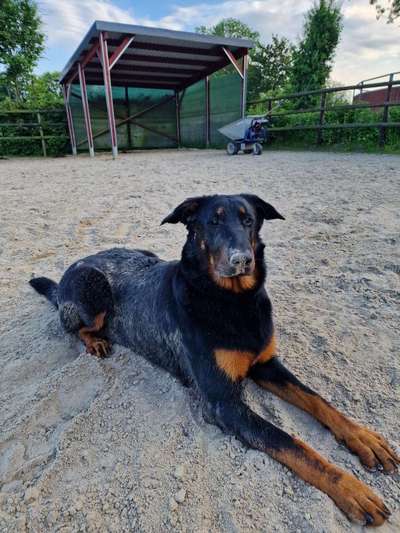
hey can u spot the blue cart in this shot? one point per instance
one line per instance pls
(247, 135)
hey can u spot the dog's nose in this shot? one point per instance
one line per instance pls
(240, 259)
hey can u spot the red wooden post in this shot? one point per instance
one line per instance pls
(86, 111)
(178, 118)
(207, 109)
(242, 71)
(66, 93)
(244, 85)
(108, 91)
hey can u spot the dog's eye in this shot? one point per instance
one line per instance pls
(247, 221)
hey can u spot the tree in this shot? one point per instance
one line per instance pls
(44, 92)
(269, 64)
(231, 27)
(391, 11)
(40, 92)
(21, 43)
(312, 59)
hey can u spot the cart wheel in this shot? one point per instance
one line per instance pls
(257, 149)
(232, 149)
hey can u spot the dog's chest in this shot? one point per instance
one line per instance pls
(236, 364)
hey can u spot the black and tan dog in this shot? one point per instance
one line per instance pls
(208, 320)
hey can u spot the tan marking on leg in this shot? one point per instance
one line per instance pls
(95, 345)
(371, 447)
(234, 363)
(352, 496)
(268, 352)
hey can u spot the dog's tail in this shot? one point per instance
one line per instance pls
(47, 288)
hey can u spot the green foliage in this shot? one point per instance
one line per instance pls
(269, 63)
(41, 92)
(231, 27)
(44, 92)
(391, 11)
(25, 124)
(347, 139)
(312, 60)
(17, 117)
(21, 44)
(270, 67)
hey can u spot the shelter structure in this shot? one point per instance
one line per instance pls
(160, 87)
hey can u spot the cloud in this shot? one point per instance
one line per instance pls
(67, 22)
(368, 47)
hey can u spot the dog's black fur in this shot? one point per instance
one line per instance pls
(205, 319)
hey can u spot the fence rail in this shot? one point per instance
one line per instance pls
(37, 122)
(382, 122)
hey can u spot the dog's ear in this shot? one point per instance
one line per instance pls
(184, 212)
(264, 210)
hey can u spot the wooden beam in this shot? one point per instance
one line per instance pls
(125, 44)
(127, 83)
(108, 93)
(214, 51)
(165, 59)
(178, 69)
(88, 57)
(66, 93)
(92, 52)
(232, 59)
(86, 111)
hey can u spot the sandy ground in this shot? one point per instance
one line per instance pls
(119, 445)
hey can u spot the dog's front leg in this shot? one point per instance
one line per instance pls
(371, 447)
(352, 496)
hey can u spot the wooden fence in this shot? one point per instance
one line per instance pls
(33, 125)
(382, 123)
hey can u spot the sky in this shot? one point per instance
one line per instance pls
(368, 47)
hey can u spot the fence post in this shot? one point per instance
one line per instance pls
(320, 137)
(385, 115)
(269, 107)
(41, 134)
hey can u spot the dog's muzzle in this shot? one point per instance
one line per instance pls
(241, 262)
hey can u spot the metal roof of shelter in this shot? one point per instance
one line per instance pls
(154, 57)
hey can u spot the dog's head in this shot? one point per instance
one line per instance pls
(223, 235)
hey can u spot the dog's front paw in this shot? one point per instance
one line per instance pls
(372, 449)
(358, 501)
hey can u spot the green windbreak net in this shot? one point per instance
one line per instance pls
(193, 116)
(225, 93)
(153, 112)
(225, 102)
(153, 124)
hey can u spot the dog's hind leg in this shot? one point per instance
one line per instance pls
(94, 343)
(372, 448)
(85, 304)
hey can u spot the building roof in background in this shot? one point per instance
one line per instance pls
(156, 58)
